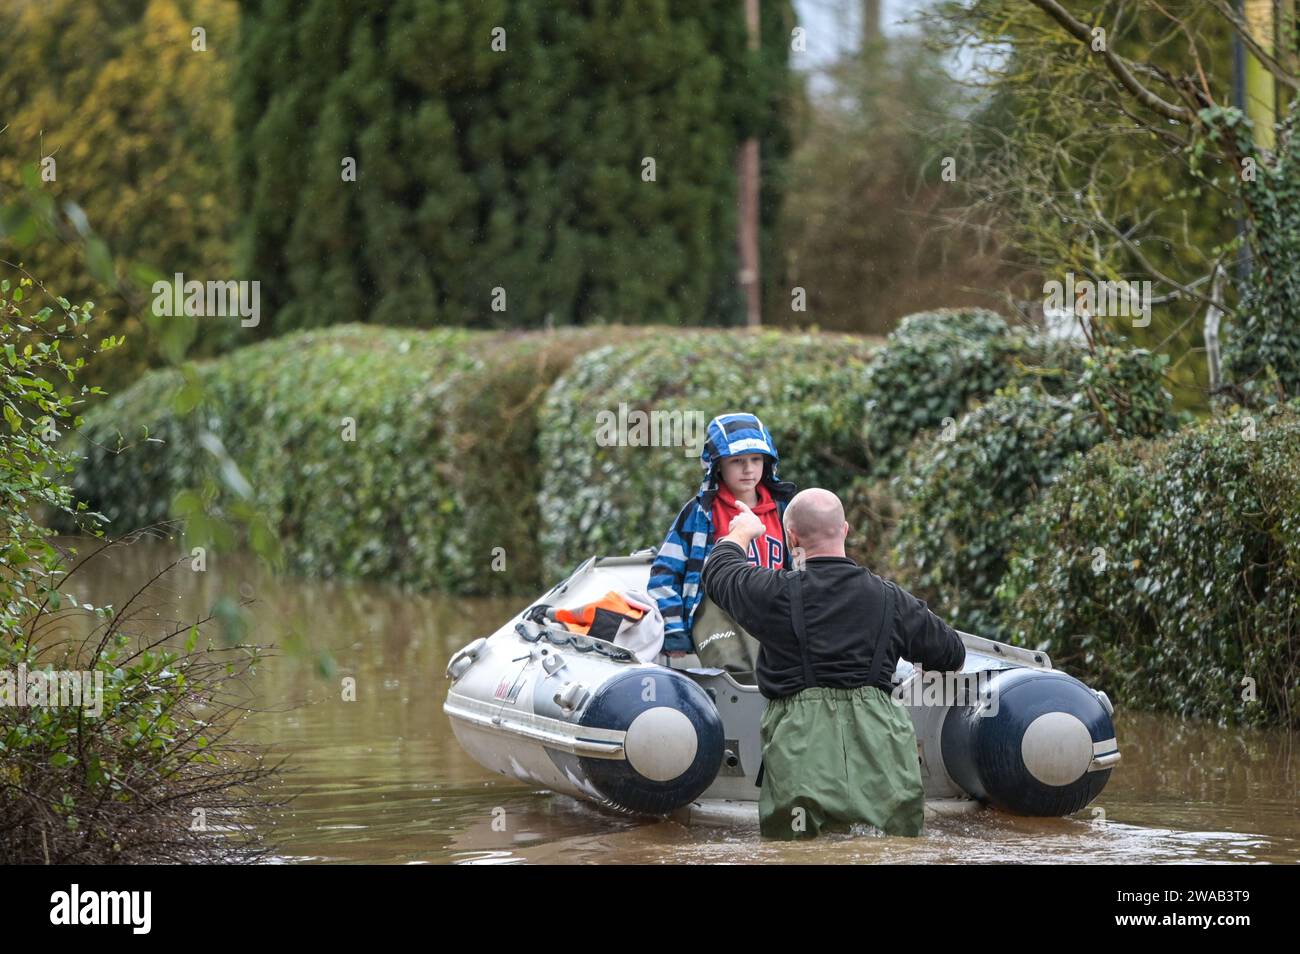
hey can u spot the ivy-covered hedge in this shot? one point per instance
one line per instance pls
(376, 505)
(808, 389)
(126, 469)
(1169, 571)
(441, 468)
(494, 469)
(937, 362)
(964, 493)
(872, 512)
(466, 472)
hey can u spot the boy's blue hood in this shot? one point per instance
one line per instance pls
(731, 434)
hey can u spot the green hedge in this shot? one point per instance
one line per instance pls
(1169, 571)
(934, 364)
(377, 505)
(872, 512)
(963, 499)
(494, 468)
(462, 444)
(443, 469)
(469, 441)
(127, 469)
(808, 390)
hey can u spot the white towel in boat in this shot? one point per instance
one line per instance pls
(645, 637)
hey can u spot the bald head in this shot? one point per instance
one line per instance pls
(814, 520)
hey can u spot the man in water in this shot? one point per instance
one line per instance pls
(836, 749)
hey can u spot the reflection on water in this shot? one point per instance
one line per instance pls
(382, 779)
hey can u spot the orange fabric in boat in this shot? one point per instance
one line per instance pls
(602, 618)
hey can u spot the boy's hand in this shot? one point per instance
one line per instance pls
(745, 526)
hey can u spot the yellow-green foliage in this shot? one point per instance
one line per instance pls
(137, 123)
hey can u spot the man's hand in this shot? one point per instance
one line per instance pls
(745, 526)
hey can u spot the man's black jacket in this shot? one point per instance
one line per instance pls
(845, 609)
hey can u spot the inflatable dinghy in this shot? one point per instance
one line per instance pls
(585, 717)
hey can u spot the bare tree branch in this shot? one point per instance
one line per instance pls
(1121, 68)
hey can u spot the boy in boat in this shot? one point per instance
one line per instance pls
(740, 467)
(836, 748)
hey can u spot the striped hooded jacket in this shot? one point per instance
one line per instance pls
(675, 575)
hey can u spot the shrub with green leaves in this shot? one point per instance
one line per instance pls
(408, 456)
(964, 499)
(872, 513)
(34, 329)
(1261, 354)
(971, 324)
(112, 737)
(335, 436)
(1169, 571)
(495, 471)
(136, 491)
(613, 499)
(933, 365)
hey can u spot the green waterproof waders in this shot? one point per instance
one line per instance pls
(721, 643)
(837, 757)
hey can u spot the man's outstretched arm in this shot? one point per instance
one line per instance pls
(741, 590)
(928, 641)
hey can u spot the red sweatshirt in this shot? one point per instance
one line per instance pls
(767, 550)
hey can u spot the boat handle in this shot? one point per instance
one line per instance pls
(1103, 761)
(463, 658)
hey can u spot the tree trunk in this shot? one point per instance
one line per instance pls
(747, 200)
(870, 22)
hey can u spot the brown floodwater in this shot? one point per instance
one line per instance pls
(383, 780)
